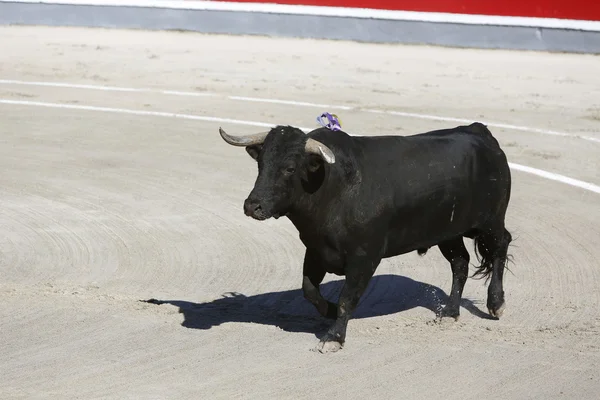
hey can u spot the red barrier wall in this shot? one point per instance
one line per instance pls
(564, 9)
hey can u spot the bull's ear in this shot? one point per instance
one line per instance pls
(314, 163)
(313, 173)
(253, 151)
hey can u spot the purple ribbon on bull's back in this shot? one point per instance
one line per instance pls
(332, 121)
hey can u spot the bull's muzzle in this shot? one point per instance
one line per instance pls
(253, 208)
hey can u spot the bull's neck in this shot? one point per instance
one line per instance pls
(310, 209)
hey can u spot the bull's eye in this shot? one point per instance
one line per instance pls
(290, 170)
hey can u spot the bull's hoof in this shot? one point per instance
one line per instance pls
(330, 346)
(450, 312)
(496, 312)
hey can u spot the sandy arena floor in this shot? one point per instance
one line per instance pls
(109, 196)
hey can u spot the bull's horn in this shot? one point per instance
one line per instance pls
(315, 147)
(248, 140)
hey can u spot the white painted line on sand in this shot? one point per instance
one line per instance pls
(556, 177)
(541, 173)
(287, 102)
(137, 112)
(104, 88)
(344, 12)
(488, 123)
(302, 104)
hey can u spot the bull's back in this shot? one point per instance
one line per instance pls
(429, 187)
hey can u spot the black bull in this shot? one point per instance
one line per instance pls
(356, 200)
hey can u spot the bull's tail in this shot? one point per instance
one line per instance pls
(479, 128)
(488, 248)
(483, 257)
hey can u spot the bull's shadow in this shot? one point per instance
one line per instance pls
(288, 310)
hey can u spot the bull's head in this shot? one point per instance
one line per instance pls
(286, 158)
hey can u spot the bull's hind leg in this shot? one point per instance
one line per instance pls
(495, 301)
(313, 276)
(455, 252)
(493, 248)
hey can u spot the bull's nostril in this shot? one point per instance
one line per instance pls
(251, 207)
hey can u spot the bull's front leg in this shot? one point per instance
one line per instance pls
(313, 276)
(359, 271)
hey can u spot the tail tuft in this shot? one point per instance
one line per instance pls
(486, 247)
(484, 258)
